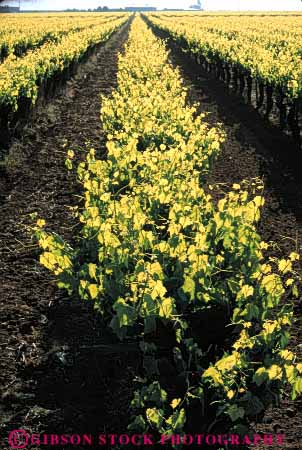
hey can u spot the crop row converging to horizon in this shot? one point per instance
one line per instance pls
(158, 257)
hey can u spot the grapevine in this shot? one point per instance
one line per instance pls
(157, 257)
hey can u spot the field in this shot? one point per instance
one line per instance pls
(150, 230)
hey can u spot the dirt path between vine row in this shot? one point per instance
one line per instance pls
(252, 149)
(49, 380)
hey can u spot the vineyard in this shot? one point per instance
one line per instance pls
(150, 229)
(259, 56)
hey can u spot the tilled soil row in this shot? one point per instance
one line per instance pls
(253, 149)
(52, 377)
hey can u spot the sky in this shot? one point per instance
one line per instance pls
(279, 5)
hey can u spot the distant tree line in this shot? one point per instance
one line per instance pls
(6, 4)
(98, 9)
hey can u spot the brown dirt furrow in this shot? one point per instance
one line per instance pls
(47, 381)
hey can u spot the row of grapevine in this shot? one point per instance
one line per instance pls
(21, 77)
(19, 34)
(164, 264)
(269, 49)
(241, 13)
(258, 57)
